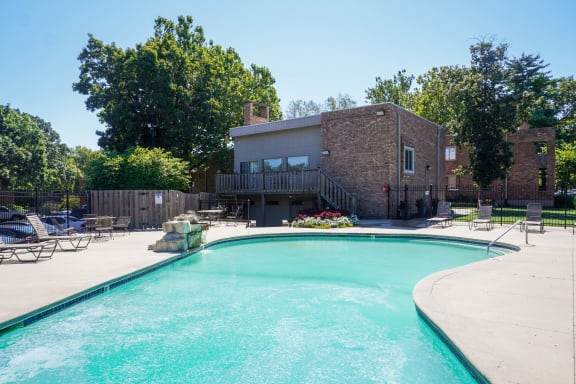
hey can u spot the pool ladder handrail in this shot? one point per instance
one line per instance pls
(505, 232)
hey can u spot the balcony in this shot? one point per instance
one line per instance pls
(297, 182)
(305, 181)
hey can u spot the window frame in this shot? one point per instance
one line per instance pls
(253, 167)
(409, 160)
(450, 153)
(276, 168)
(299, 166)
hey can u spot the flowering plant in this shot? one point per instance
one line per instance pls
(325, 219)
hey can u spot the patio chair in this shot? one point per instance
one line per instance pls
(104, 226)
(122, 224)
(43, 250)
(74, 241)
(533, 217)
(484, 218)
(443, 215)
(236, 215)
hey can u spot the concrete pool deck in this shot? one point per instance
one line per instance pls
(511, 316)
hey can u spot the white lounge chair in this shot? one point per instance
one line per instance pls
(533, 217)
(43, 250)
(75, 241)
(484, 218)
(443, 215)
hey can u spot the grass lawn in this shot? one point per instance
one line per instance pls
(508, 215)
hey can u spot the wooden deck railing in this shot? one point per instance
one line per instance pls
(273, 182)
(335, 194)
(306, 181)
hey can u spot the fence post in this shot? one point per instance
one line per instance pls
(36, 207)
(501, 204)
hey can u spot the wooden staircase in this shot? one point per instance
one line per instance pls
(335, 195)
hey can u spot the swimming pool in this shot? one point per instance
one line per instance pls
(279, 310)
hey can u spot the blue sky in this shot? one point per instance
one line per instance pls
(314, 49)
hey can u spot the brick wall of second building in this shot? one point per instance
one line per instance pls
(525, 170)
(363, 145)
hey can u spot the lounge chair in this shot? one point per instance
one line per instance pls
(443, 215)
(484, 218)
(43, 250)
(75, 241)
(533, 216)
(60, 228)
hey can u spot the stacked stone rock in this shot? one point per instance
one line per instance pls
(181, 235)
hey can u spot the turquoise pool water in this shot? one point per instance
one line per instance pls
(274, 310)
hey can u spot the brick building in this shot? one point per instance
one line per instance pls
(533, 168)
(342, 159)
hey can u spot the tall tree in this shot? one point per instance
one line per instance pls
(23, 160)
(396, 90)
(566, 166)
(301, 108)
(176, 91)
(529, 85)
(339, 102)
(563, 100)
(436, 99)
(138, 168)
(488, 114)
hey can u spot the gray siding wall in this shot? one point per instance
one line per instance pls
(293, 142)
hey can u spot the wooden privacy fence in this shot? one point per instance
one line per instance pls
(147, 208)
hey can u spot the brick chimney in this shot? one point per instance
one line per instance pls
(255, 113)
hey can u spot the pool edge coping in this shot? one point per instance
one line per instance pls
(50, 309)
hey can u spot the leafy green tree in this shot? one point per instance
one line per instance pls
(396, 90)
(563, 99)
(339, 102)
(566, 166)
(436, 99)
(488, 113)
(23, 161)
(138, 168)
(529, 85)
(176, 91)
(31, 153)
(301, 108)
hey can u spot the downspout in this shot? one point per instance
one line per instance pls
(399, 159)
(438, 154)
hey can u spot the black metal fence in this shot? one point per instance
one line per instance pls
(509, 202)
(16, 204)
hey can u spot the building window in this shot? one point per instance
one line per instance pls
(408, 160)
(273, 165)
(450, 153)
(249, 167)
(298, 163)
(542, 179)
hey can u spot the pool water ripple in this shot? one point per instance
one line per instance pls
(288, 310)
